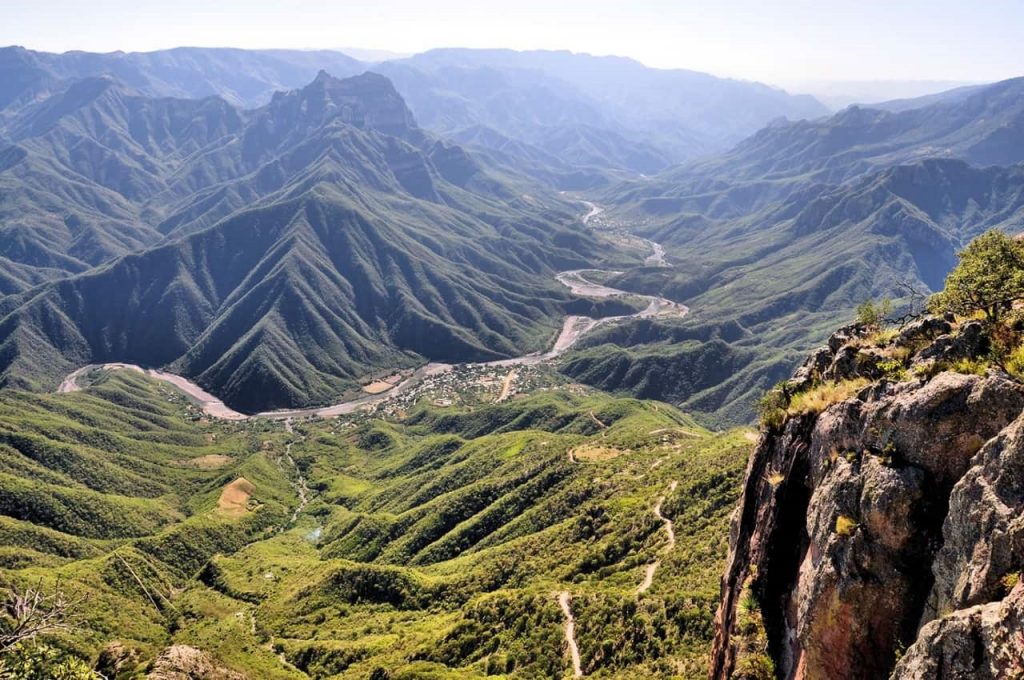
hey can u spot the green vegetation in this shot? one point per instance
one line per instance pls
(34, 661)
(989, 278)
(752, 659)
(433, 546)
(771, 407)
(873, 314)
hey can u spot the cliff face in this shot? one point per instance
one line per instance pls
(881, 529)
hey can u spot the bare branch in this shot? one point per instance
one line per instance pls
(32, 612)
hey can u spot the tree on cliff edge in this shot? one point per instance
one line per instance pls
(989, 278)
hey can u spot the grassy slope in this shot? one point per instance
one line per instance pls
(434, 532)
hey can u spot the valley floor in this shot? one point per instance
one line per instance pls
(573, 328)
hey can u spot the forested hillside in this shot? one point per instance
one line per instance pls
(336, 548)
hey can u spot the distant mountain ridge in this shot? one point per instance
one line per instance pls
(646, 118)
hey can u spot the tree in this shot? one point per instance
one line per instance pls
(32, 660)
(29, 613)
(24, 616)
(989, 278)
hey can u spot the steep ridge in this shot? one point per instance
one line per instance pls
(984, 128)
(880, 512)
(245, 78)
(84, 164)
(325, 239)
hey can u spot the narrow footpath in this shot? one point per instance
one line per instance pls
(565, 602)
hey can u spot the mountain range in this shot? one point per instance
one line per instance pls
(219, 217)
(609, 114)
(279, 255)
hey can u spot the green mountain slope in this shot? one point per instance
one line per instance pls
(423, 536)
(765, 281)
(304, 246)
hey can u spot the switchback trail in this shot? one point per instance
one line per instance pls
(565, 602)
(573, 328)
(651, 568)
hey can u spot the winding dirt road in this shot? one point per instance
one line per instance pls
(573, 328)
(669, 528)
(651, 568)
(565, 602)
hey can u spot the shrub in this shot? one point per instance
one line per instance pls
(969, 366)
(1010, 581)
(873, 314)
(755, 667)
(771, 407)
(893, 369)
(35, 660)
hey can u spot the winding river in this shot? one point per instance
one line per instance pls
(573, 328)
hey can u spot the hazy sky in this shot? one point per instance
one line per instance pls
(777, 41)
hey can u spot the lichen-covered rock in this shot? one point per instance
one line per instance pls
(968, 342)
(922, 331)
(983, 534)
(846, 335)
(862, 523)
(811, 370)
(941, 424)
(985, 642)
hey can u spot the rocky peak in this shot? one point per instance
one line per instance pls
(883, 511)
(367, 102)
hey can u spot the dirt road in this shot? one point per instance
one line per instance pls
(648, 576)
(651, 568)
(506, 385)
(565, 602)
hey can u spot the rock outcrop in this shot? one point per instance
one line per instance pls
(181, 662)
(889, 521)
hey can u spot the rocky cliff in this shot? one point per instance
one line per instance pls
(881, 528)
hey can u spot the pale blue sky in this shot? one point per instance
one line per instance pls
(777, 41)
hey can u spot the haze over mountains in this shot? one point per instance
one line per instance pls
(555, 102)
(225, 176)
